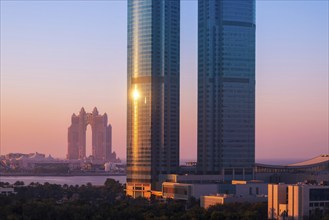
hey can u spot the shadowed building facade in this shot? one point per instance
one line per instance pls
(153, 93)
(226, 86)
(101, 136)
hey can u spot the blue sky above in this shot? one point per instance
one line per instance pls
(57, 56)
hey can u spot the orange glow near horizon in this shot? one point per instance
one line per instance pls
(67, 62)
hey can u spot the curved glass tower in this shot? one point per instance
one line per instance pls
(226, 87)
(153, 93)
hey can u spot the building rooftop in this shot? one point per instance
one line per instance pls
(316, 160)
(317, 164)
(322, 159)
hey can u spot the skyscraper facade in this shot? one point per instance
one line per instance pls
(153, 93)
(226, 86)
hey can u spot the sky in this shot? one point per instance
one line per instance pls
(59, 56)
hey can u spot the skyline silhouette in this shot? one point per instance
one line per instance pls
(52, 65)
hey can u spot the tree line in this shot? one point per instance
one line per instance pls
(53, 201)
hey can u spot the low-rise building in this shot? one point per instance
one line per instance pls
(7, 191)
(183, 191)
(238, 188)
(296, 201)
(206, 201)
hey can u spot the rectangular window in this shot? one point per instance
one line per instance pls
(319, 194)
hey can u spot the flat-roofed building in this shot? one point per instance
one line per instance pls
(207, 201)
(7, 191)
(184, 191)
(296, 201)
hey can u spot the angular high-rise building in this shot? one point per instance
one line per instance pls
(226, 87)
(152, 93)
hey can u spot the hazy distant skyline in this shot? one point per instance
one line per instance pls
(59, 56)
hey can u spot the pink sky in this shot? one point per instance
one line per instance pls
(51, 67)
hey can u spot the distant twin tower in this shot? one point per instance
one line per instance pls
(101, 136)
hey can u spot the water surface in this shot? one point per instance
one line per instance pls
(69, 180)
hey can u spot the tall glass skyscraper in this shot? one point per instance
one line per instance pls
(153, 93)
(226, 87)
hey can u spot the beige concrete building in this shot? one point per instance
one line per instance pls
(296, 201)
(206, 201)
(243, 190)
(183, 191)
(277, 200)
(238, 191)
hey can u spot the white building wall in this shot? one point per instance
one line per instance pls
(245, 189)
